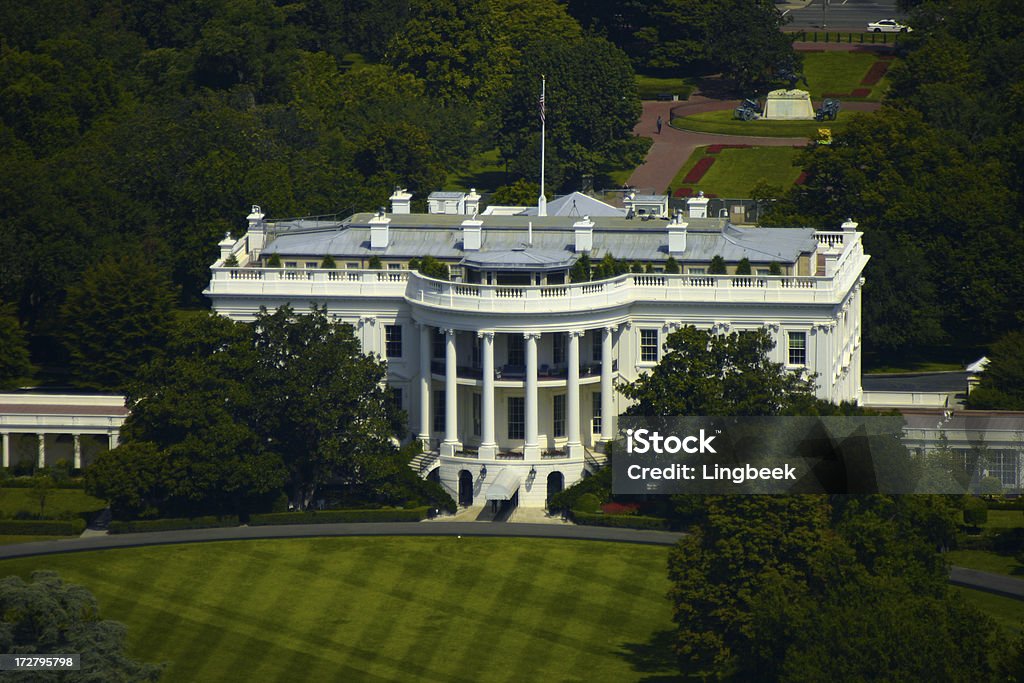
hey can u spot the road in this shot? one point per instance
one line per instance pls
(842, 15)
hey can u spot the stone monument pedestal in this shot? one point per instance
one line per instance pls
(792, 105)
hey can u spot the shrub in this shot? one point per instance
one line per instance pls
(620, 521)
(328, 262)
(42, 527)
(671, 265)
(339, 516)
(375, 263)
(231, 261)
(975, 512)
(717, 266)
(588, 502)
(274, 261)
(774, 268)
(743, 267)
(139, 526)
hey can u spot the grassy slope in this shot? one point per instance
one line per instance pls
(1006, 612)
(736, 171)
(58, 501)
(986, 562)
(441, 609)
(723, 122)
(839, 73)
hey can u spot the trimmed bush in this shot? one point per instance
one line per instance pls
(143, 525)
(339, 516)
(42, 527)
(1005, 504)
(620, 521)
(588, 502)
(975, 512)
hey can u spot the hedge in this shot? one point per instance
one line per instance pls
(336, 516)
(1005, 504)
(139, 526)
(621, 521)
(33, 527)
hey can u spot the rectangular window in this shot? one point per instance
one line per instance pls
(439, 410)
(516, 350)
(393, 341)
(396, 398)
(516, 417)
(477, 352)
(394, 266)
(797, 348)
(439, 344)
(697, 271)
(558, 348)
(477, 412)
(558, 414)
(312, 264)
(352, 266)
(764, 271)
(596, 422)
(291, 264)
(598, 343)
(649, 346)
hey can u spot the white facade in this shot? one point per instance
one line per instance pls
(508, 366)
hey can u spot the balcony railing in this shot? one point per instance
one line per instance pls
(845, 248)
(518, 372)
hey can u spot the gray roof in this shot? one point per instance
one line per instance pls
(578, 205)
(446, 195)
(648, 198)
(418, 235)
(521, 258)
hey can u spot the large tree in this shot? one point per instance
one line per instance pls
(702, 373)
(1002, 382)
(14, 359)
(117, 319)
(47, 616)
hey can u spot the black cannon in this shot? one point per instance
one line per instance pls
(746, 111)
(828, 111)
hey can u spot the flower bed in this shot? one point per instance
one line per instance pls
(860, 92)
(698, 171)
(620, 508)
(715, 149)
(683, 192)
(875, 73)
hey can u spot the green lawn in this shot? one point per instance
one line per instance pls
(438, 609)
(985, 561)
(9, 539)
(650, 87)
(1004, 519)
(840, 73)
(1008, 613)
(736, 171)
(58, 502)
(486, 172)
(724, 123)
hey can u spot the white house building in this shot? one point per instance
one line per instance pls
(507, 369)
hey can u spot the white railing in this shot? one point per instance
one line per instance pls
(624, 289)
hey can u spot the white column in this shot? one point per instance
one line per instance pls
(112, 440)
(488, 446)
(531, 449)
(78, 451)
(606, 385)
(426, 370)
(6, 438)
(42, 451)
(451, 405)
(575, 445)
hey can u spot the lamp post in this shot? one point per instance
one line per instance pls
(824, 13)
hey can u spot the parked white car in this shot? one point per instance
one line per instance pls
(888, 26)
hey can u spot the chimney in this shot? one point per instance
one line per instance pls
(257, 236)
(401, 201)
(226, 246)
(676, 236)
(472, 235)
(584, 231)
(698, 206)
(850, 225)
(472, 202)
(379, 231)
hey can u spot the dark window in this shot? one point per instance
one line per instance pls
(516, 350)
(396, 398)
(558, 413)
(476, 414)
(438, 410)
(596, 423)
(393, 341)
(516, 417)
(558, 346)
(798, 348)
(438, 343)
(595, 354)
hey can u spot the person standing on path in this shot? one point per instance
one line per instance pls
(659, 125)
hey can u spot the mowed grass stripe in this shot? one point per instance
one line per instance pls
(566, 607)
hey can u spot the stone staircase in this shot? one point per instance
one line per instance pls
(594, 460)
(424, 462)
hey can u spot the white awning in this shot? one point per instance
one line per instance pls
(504, 485)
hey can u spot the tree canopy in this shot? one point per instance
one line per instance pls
(14, 360)
(47, 616)
(1002, 382)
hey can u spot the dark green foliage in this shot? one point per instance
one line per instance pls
(581, 270)
(120, 527)
(14, 360)
(702, 373)
(431, 267)
(375, 264)
(598, 485)
(774, 268)
(672, 266)
(975, 512)
(116, 320)
(609, 267)
(520, 193)
(588, 502)
(1002, 382)
(743, 267)
(620, 521)
(274, 261)
(339, 516)
(45, 527)
(48, 616)
(328, 262)
(231, 261)
(717, 266)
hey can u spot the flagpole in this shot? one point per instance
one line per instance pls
(542, 202)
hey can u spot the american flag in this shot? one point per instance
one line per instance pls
(542, 104)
